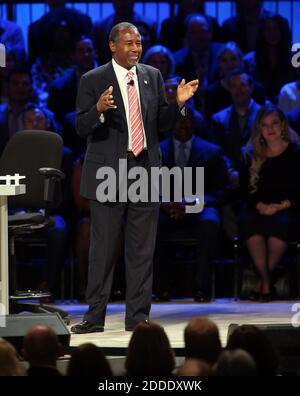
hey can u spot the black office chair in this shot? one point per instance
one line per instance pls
(36, 155)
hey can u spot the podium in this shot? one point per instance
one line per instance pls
(10, 188)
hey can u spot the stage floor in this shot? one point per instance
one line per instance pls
(174, 316)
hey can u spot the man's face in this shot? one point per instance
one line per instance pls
(84, 55)
(198, 35)
(229, 61)
(35, 119)
(19, 87)
(127, 50)
(240, 89)
(160, 62)
(184, 129)
(272, 33)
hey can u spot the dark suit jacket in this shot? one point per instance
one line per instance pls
(108, 142)
(62, 95)
(207, 155)
(217, 98)
(225, 132)
(4, 136)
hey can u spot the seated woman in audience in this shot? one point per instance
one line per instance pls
(270, 63)
(217, 96)
(270, 185)
(162, 59)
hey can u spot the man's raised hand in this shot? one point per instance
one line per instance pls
(106, 101)
(185, 91)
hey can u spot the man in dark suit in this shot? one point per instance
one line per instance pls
(121, 107)
(19, 92)
(231, 127)
(175, 223)
(63, 90)
(199, 58)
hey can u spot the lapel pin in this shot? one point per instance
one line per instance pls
(146, 82)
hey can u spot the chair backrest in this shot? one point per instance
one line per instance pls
(25, 153)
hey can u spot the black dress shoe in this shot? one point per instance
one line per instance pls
(132, 326)
(85, 327)
(200, 297)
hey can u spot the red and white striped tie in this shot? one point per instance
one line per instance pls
(137, 136)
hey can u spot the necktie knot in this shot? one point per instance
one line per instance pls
(130, 76)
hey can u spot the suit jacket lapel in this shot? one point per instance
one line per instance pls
(144, 88)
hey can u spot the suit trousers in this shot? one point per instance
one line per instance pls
(139, 221)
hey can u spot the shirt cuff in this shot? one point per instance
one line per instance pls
(102, 118)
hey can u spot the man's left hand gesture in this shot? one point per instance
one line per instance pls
(185, 91)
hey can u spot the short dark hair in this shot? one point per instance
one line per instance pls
(239, 72)
(115, 31)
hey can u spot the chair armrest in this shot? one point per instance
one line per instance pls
(52, 172)
(52, 187)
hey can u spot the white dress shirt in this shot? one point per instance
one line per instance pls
(121, 74)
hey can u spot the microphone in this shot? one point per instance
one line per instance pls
(131, 82)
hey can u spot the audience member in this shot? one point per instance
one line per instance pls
(270, 189)
(10, 366)
(149, 353)
(202, 340)
(217, 95)
(231, 127)
(38, 30)
(88, 360)
(123, 11)
(59, 38)
(200, 126)
(289, 97)
(41, 350)
(11, 36)
(270, 62)
(162, 59)
(195, 368)
(172, 33)
(185, 149)
(63, 91)
(258, 345)
(244, 27)
(235, 363)
(20, 93)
